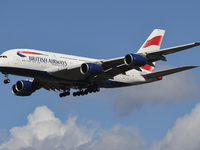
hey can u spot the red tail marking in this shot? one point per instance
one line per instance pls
(147, 67)
(154, 41)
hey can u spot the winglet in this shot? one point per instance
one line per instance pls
(197, 43)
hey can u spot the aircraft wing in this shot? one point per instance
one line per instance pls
(167, 72)
(158, 54)
(111, 68)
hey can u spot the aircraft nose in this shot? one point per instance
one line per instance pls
(3, 60)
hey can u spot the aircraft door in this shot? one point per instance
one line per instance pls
(16, 60)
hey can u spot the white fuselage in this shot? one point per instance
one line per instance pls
(48, 62)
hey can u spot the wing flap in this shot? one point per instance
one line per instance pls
(109, 63)
(111, 72)
(167, 72)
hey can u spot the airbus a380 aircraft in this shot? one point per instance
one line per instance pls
(60, 72)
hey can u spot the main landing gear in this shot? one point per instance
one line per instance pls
(90, 89)
(64, 94)
(85, 92)
(7, 80)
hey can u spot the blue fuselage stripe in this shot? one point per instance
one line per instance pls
(44, 74)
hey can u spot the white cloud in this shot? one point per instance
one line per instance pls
(45, 131)
(184, 135)
(172, 89)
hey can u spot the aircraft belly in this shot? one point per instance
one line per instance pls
(123, 80)
(72, 75)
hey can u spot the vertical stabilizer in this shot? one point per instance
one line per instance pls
(152, 43)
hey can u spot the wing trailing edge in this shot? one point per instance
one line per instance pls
(167, 72)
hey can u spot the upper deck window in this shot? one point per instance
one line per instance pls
(3, 56)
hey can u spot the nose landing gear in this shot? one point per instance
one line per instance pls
(7, 80)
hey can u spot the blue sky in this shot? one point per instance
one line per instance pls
(103, 29)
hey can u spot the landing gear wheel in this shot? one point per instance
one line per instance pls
(64, 94)
(74, 94)
(61, 95)
(68, 93)
(7, 81)
(98, 89)
(82, 93)
(86, 92)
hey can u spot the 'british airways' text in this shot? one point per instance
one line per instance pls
(46, 60)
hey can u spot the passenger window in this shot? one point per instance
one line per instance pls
(3, 56)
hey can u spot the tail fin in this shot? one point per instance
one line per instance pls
(153, 42)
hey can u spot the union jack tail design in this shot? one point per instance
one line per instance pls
(152, 43)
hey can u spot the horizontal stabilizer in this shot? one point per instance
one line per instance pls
(167, 72)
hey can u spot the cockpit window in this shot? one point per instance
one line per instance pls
(3, 56)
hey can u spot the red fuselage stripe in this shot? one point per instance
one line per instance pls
(26, 52)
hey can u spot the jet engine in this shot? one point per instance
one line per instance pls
(23, 88)
(90, 68)
(135, 60)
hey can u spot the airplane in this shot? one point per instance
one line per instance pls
(61, 72)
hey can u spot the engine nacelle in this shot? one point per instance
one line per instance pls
(135, 60)
(90, 68)
(23, 88)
